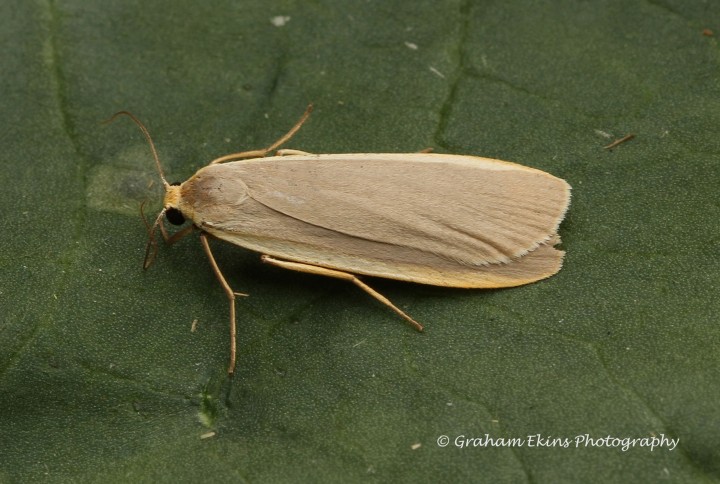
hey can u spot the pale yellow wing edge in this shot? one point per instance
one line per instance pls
(539, 264)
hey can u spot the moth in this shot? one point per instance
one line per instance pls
(439, 219)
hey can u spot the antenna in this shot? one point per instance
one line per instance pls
(147, 137)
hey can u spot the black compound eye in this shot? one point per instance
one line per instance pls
(174, 216)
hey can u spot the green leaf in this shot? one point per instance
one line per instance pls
(101, 376)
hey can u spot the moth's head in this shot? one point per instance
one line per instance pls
(170, 212)
(171, 204)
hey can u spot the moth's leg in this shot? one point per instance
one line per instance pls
(171, 239)
(240, 156)
(151, 247)
(287, 152)
(323, 271)
(231, 297)
(275, 145)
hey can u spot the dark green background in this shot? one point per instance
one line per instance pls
(100, 375)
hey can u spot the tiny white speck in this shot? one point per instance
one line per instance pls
(279, 20)
(267, 116)
(437, 72)
(207, 435)
(227, 140)
(602, 133)
(449, 404)
(416, 446)
(410, 45)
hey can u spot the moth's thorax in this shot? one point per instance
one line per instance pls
(213, 188)
(172, 196)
